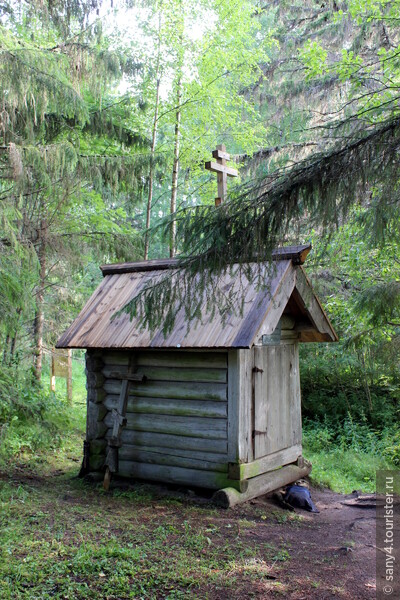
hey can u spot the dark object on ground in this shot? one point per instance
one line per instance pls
(278, 498)
(299, 497)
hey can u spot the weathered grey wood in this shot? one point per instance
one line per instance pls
(295, 398)
(170, 441)
(178, 475)
(276, 399)
(141, 266)
(287, 322)
(265, 464)
(261, 406)
(210, 456)
(284, 437)
(95, 416)
(97, 447)
(314, 308)
(167, 373)
(193, 427)
(118, 420)
(95, 427)
(180, 359)
(96, 395)
(112, 462)
(297, 253)
(169, 389)
(167, 406)
(94, 379)
(289, 336)
(141, 378)
(271, 317)
(155, 457)
(263, 484)
(239, 405)
(96, 430)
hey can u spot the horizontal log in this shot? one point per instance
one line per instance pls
(96, 462)
(176, 390)
(263, 484)
(166, 373)
(130, 453)
(177, 475)
(167, 406)
(168, 358)
(96, 395)
(94, 379)
(168, 441)
(98, 447)
(265, 464)
(210, 457)
(124, 375)
(93, 363)
(188, 427)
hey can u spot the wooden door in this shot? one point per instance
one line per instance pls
(277, 404)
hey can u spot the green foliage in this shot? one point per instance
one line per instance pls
(30, 419)
(33, 420)
(346, 453)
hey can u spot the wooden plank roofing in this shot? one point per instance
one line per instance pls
(261, 308)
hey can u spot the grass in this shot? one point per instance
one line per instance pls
(345, 470)
(346, 456)
(70, 540)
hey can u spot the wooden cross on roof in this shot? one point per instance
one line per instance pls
(222, 171)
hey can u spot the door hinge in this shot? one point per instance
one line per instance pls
(257, 370)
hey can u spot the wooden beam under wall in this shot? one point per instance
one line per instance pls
(263, 484)
(265, 464)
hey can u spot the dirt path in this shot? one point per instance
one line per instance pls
(332, 554)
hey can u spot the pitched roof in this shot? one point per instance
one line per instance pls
(260, 312)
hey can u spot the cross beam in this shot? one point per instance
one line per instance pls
(222, 171)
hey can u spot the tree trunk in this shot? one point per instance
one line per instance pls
(39, 314)
(5, 351)
(175, 168)
(153, 147)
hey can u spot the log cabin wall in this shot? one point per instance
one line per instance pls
(176, 427)
(96, 411)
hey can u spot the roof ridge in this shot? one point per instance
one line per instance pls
(297, 254)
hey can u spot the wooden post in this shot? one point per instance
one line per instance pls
(222, 171)
(53, 372)
(69, 376)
